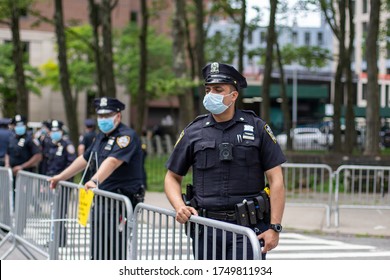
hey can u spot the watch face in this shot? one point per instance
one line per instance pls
(277, 227)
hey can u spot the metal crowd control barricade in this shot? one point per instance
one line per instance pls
(157, 236)
(33, 208)
(364, 187)
(106, 235)
(6, 198)
(309, 185)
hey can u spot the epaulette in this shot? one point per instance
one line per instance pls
(198, 118)
(250, 112)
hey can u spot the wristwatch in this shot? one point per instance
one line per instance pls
(276, 227)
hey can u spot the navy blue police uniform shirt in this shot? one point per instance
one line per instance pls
(123, 144)
(5, 134)
(22, 148)
(87, 139)
(219, 185)
(59, 156)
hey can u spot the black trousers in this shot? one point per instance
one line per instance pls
(202, 255)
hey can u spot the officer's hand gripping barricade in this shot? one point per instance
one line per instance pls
(189, 200)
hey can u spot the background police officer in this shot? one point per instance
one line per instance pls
(119, 159)
(24, 152)
(58, 154)
(85, 141)
(5, 134)
(231, 151)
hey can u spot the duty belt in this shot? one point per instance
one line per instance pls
(226, 216)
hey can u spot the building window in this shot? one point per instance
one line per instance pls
(364, 92)
(307, 38)
(133, 16)
(295, 38)
(263, 37)
(250, 37)
(365, 7)
(320, 39)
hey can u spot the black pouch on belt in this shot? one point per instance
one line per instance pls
(242, 214)
(251, 212)
(260, 207)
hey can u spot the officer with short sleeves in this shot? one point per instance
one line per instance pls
(231, 153)
(24, 152)
(117, 150)
(60, 152)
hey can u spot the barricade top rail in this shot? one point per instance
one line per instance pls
(228, 227)
(366, 167)
(311, 165)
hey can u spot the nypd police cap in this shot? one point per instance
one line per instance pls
(90, 122)
(56, 125)
(106, 105)
(19, 120)
(5, 121)
(220, 73)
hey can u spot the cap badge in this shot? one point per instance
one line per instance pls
(18, 118)
(214, 68)
(103, 102)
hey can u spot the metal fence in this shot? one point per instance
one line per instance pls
(46, 222)
(309, 185)
(6, 198)
(359, 186)
(157, 236)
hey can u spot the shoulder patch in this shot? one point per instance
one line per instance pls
(181, 136)
(70, 149)
(270, 133)
(123, 141)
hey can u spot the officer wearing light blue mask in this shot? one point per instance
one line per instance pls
(118, 156)
(231, 152)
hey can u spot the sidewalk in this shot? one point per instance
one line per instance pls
(361, 222)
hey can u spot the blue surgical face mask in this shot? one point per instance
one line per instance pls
(213, 103)
(20, 129)
(106, 125)
(56, 135)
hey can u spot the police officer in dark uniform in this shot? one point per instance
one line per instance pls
(58, 153)
(24, 152)
(230, 151)
(85, 141)
(5, 134)
(119, 159)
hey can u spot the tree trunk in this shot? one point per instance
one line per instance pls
(265, 94)
(350, 132)
(285, 104)
(71, 112)
(186, 103)
(372, 110)
(241, 48)
(142, 94)
(108, 60)
(17, 55)
(200, 57)
(95, 22)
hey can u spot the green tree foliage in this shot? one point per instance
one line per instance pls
(80, 62)
(222, 47)
(161, 81)
(8, 82)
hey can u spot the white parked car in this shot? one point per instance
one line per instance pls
(306, 138)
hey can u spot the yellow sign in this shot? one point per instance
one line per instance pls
(85, 202)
